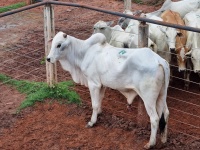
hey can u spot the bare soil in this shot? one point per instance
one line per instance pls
(54, 126)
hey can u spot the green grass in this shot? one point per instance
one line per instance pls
(137, 1)
(39, 91)
(11, 7)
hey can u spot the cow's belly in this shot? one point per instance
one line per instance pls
(130, 80)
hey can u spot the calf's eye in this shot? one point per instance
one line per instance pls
(59, 45)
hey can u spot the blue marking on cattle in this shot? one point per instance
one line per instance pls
(122, 52)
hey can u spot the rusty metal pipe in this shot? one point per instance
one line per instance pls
(22, 9)
(126, 16)
(100, 10)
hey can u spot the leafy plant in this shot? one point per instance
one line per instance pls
(42, 62)
(11, 7)
(39, 91)
(137, 1)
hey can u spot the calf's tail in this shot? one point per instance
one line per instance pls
(162, 123)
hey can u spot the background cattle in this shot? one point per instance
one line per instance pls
(182, 7)
(131, 71)
(192, 19)
(117, 37)
(163, 37)
(178, 55)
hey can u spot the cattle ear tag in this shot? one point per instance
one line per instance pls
(122, 52)
(65, 35)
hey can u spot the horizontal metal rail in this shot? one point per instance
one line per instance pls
(101, 10)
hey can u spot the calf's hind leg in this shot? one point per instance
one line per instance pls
(102, 92)
(154, 120)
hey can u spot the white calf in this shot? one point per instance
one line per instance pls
(96, 64)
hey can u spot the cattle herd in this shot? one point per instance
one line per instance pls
(180, 48)
(111, 58)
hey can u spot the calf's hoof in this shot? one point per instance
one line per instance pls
(148, 146)
(89, 125)
(163, 139)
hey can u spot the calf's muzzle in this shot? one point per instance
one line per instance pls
(48, 59)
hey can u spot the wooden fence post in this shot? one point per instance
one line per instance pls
(143, 33)
(127, 5)
(49, 32)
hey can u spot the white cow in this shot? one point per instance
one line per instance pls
(117, 37)
(163, 37)
(133, 28)
(182, 7)
(131, 71)
(192, 19)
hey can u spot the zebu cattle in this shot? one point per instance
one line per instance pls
(192, 19)
(133, 29)
(117, 37)
(163, 37)
(182, 7)
(96, 64)
(178, 56)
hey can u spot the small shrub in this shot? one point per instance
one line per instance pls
(39, 91)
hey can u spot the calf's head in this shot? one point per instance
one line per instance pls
(59, 43)
(104, 28)
(180, 57)
(171, 34)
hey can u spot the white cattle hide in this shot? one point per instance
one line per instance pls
(182, 7)
(192, 19)
(117, 37)
(131, 71)
(133, 29)
(163, 37)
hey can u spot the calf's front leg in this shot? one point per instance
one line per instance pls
(96, 103)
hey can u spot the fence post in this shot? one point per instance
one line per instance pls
(127, 5)
(49, 32)
(143, 33)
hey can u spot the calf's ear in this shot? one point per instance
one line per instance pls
(188, 53)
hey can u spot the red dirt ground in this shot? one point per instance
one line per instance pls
(54, 126)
